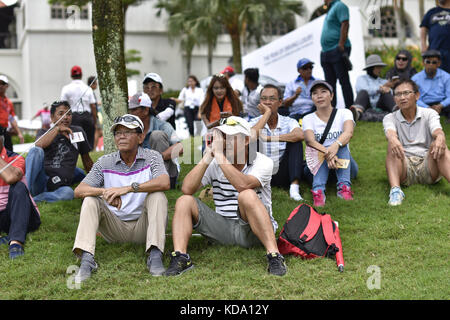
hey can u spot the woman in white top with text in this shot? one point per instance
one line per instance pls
(334, 146)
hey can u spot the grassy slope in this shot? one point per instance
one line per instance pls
(410, 245)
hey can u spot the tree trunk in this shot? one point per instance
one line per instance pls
(210, 58)
(236, 47)
(108, 38)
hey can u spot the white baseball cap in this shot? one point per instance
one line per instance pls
(234, 125)
(153, 76)
(4, 79)
(140, 99)
(128, 120)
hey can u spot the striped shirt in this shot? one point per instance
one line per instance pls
(275, 150)
(225, 194)
(110, 171)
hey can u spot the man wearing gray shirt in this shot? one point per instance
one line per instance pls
(417, 151)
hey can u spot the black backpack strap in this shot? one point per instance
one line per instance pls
(327, 128)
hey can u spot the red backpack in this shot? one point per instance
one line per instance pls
(309, 234)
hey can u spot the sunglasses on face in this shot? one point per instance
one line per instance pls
(308, 67)
(2, 83)
(431, 61)
(402, 58)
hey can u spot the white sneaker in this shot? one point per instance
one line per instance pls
(396, 196)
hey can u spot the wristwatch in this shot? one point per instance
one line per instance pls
(339, 143)
(135, 186)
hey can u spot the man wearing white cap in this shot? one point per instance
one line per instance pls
(159, 134)
(124, 199)
(240, 178)
(164, 109)
(7, 114)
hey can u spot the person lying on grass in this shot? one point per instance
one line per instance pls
(124, 199)
(240, 178)
(417, 151)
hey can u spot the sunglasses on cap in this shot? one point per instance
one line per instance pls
(124, 119)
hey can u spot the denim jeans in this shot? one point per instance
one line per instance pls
(343, 176)
(20, 216)
(37, 179)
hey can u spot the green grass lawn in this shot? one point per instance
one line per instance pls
(408, 246)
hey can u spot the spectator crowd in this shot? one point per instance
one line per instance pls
(254, 137)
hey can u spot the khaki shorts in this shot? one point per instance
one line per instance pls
(418, 171)
(225, 231)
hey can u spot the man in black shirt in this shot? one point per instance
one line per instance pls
(51, 164)
(164, 109)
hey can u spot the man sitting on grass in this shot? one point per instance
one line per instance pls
(240, 178)
(18, 213)
(282, 140)
(51, 166)
(417, 151)
(159, 134)
(124, 199)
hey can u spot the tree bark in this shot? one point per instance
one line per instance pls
(108, 38)
(236, 47)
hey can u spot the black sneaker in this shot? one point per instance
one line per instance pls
(179, 263)
(277, 266)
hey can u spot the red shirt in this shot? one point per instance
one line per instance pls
(9, 156)
(6, 110)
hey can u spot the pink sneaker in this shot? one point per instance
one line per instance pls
(345, 193)
(318, 198)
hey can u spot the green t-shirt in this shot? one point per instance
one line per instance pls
(331, 31)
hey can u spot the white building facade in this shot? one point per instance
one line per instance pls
(43, 46)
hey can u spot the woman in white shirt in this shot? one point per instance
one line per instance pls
(192, 97)
(335, 145)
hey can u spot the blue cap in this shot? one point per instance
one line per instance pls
(302, 62)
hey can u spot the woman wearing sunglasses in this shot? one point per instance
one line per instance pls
(402, 68)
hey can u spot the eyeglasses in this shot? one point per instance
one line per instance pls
(431, 61)
(271, 99)
(402, 93)
(402, 58)
(123, 133)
